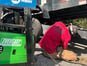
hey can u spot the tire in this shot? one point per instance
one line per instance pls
(37, 28)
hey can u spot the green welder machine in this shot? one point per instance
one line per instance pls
(13, 38)
(12, 48)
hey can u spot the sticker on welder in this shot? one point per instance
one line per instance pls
(10, 42)
(81, 2)
(1, 49)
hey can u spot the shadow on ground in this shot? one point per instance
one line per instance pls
(78, 44)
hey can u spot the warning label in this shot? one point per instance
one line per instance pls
(81, 2)
(64, 0)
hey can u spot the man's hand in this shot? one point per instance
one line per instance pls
(58, 56)
(59, 50)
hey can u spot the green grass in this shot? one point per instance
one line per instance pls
(81, 22)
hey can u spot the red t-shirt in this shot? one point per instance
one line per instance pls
(55, 35)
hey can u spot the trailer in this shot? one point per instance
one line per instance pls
(62, 9)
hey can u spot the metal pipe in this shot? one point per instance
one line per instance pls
(29, 39)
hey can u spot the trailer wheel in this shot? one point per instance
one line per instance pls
(37, 28)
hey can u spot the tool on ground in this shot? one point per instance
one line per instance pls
(70, 57)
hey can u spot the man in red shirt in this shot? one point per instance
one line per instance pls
(57, 34)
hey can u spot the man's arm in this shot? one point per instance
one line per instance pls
(57, 55)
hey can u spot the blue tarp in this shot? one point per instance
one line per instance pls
(19, 3)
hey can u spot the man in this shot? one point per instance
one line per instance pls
(58, 34)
